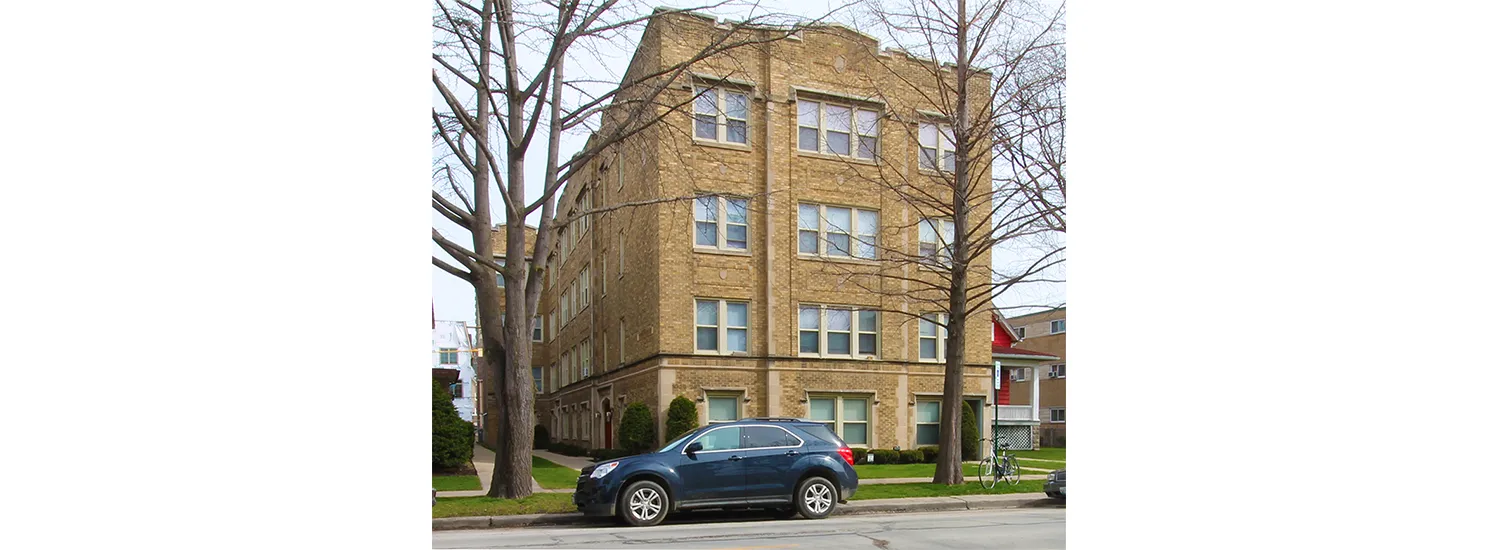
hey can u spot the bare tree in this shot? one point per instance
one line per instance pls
(499, 67)
(988, 125)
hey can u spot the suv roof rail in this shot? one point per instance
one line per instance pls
(773, 419)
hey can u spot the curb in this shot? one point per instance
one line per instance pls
(877, 506)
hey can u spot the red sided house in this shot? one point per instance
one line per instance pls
(1015, 424)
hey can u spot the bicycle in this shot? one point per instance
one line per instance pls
(999, 464)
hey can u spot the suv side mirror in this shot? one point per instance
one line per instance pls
(693, 448)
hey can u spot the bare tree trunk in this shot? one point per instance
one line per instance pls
(950, 454)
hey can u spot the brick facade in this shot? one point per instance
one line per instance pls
(645, 272)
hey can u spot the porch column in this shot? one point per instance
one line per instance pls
(1036, 393)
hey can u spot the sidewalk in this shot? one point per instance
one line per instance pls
(876, 506)
(574, 462)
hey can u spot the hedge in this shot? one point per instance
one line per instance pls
(682, 417)
(452, 436)
(859, 455)
(637, 429)
(539, 437)
(969, 434)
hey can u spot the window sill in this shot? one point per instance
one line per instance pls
(801, 355)
(721, 144)
(837, 157)
(721, 251)
(722, 353)
(839, 259)
(931, 172)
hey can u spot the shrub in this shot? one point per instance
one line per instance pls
(969, 437)
(637, 429)
(682, 417)
(452, 437)
(539, 437)
(859, 455)
(911, 456)
(568, 449)
(885, 456)
(929, 454)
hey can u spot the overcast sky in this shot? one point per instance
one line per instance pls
(453, 299)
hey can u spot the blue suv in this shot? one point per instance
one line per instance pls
(789, 465)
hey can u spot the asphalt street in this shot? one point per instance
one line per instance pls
(1029, 528)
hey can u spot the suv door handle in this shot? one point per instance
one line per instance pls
(734, 457)
(792, 453)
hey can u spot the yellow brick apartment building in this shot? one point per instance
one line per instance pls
(751, 295)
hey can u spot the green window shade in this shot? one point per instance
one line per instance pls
(722, 409)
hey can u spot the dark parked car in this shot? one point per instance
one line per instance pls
(789, 465)
(1057, 484)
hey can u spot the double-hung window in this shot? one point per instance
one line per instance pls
(723, 407)
(536, 328)
(721, 115)
(583, 290)
(536, 379)
(837, 129)
(928, 414)
(935, 142)
(935, 242)
(722, 326)
(931, 336)
(1058, 415)
(847, 416)
(1021, 332)
(585, 352)
(721, 222)
(837, 331)
(1060, 325)
(448, 356)
(836, 231)
(1057, 371)
(1018, 375)
(500, 277)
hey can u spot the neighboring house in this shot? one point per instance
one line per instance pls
(1016, 420)
(451, 352)
(1045, 332)
(740, 301)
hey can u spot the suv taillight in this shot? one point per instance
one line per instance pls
(847, 453)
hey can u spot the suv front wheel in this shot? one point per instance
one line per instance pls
(816, 497)
(643, 503)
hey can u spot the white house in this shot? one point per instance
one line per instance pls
(451, 350)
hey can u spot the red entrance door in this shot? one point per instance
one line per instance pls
(609, 430)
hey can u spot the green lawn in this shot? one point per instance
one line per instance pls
(538, 503)
(551, 475)
(1049, 453)
(880, 471)
(1048, 466)
(456, 483)
(909, 490)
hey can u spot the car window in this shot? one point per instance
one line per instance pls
(674, 444)
(767, 436)
(722, 439)
(822, 432)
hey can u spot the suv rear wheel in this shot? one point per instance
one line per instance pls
(816, 497)
(643, 503)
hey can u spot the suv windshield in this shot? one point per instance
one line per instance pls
(674, 444)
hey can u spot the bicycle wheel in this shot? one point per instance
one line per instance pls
(1012, 470)
(988, 474)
